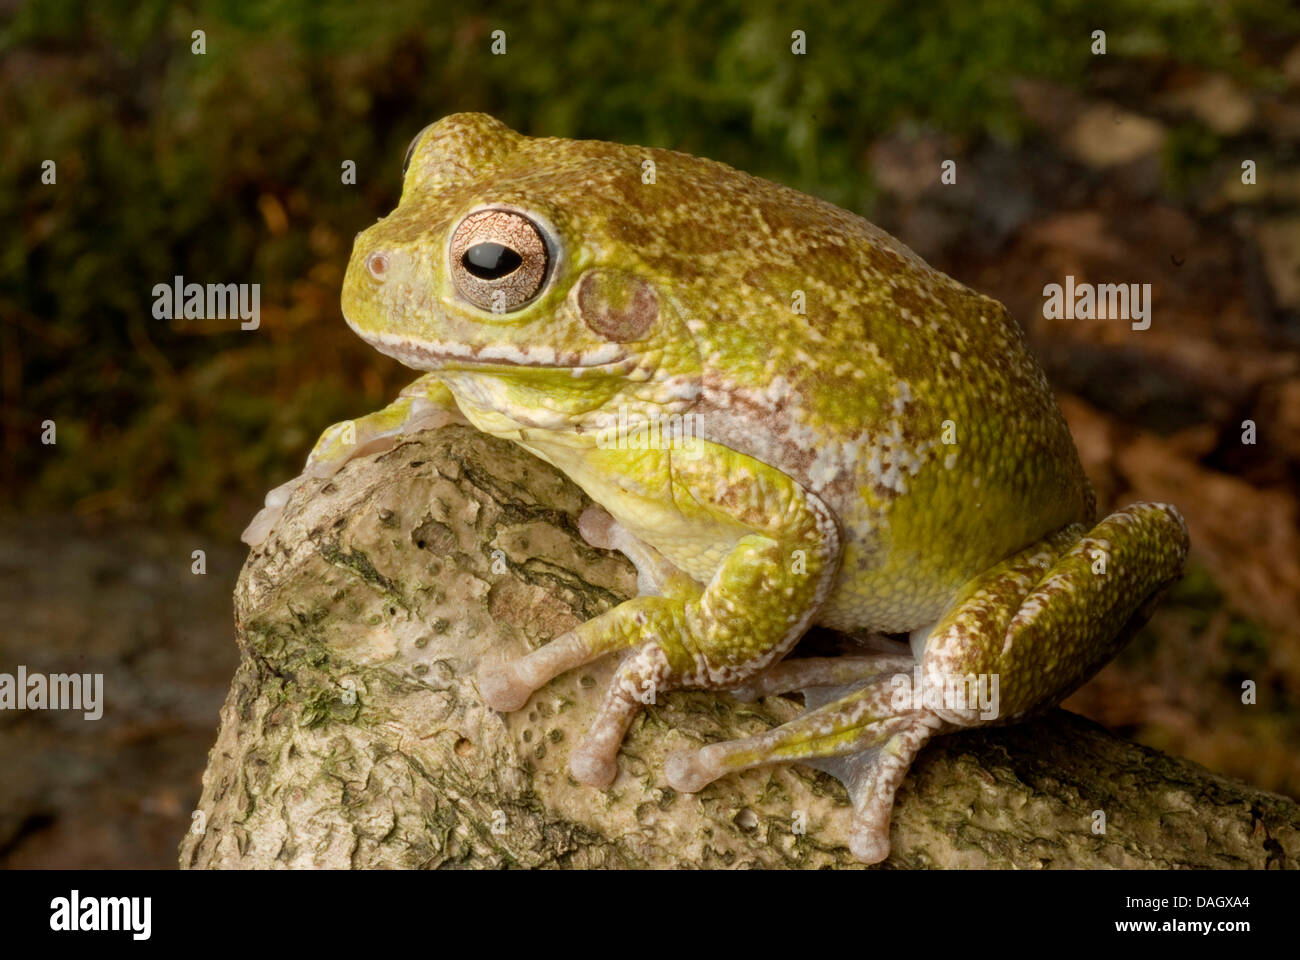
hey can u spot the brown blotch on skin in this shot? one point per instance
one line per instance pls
(616, 305)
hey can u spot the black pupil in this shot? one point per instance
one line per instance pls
(490, 261)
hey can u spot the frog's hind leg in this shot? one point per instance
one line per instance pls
(1017, 639)
(860, 737)
(1038, 625)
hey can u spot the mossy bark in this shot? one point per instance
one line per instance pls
(353, 735)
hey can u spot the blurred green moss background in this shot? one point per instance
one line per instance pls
(225, 167)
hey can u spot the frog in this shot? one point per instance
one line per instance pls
(873, 449)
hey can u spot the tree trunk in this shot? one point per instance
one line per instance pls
(353, 735)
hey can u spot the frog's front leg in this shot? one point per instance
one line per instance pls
(423, 405)
(760, 599)
(1017, 640)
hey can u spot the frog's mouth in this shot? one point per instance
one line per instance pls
(444, 355)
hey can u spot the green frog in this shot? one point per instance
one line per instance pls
(784, 417)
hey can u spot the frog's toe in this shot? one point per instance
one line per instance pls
(594, 761)
(276, 500)
(260, 527)
(873, 775)
(590, 765)
(869, 843)
(596, 527)
(507, 686)
(501, 687)
(636, 683)
(690, 771)
(653, 572)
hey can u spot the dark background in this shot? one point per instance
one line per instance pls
(225, 167)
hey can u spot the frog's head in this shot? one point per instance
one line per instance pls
(513, 268)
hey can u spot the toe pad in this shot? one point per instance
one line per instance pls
(592, 769)
(501, 688)
(688, 772)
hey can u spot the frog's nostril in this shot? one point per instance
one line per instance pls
(377, 265)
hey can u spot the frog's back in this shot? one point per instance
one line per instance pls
(907, 401)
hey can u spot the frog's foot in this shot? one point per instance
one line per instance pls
(797, 674)
(861, 738)
(640, 678)
(423, 405)
(642, 675)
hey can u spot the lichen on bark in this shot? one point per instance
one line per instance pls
(353, 734)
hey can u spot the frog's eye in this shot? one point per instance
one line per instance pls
(498, 260)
